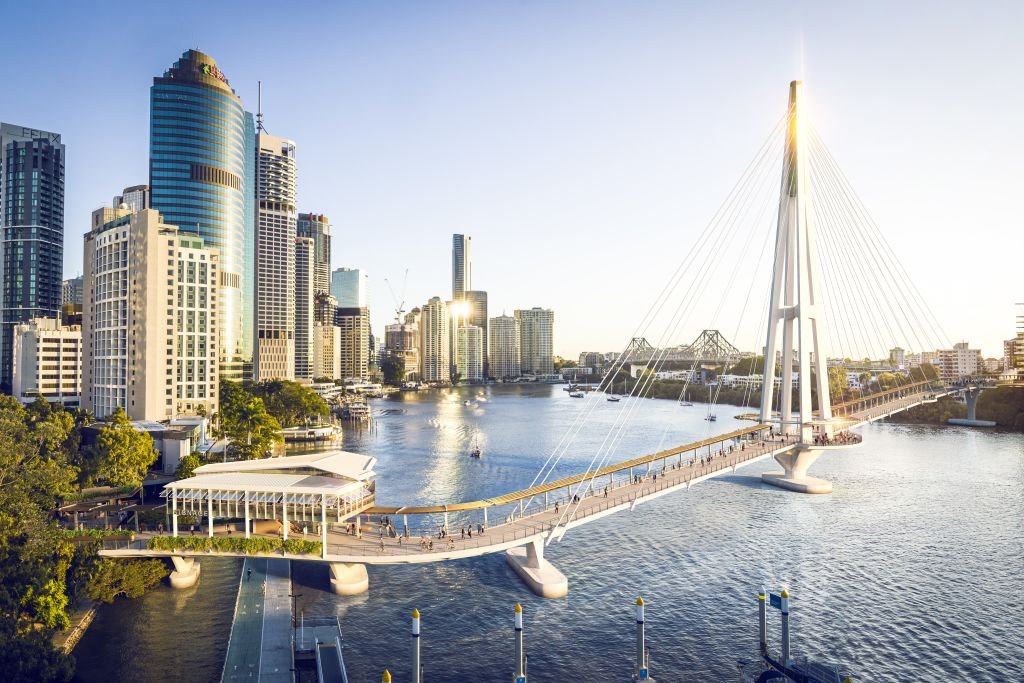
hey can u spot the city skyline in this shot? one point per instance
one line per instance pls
(681, 136)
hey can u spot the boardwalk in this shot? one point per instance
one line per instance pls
(260, 645)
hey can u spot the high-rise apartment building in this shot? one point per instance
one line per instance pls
(47, 362)
(504, 353)
(462, 266)
(150, 319)
(469, 362)
(326, 351)
(957, 362)
(536, 340)
(476, 314)
(71, 291)
(354, 324)
(274, 350)
(136, 198)
(435, 355)
(201, 163)
(304, 299)
(317, 227)
(32, 237)
(402, 342)
(351, 287)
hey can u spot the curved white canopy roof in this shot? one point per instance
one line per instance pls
(338, 463)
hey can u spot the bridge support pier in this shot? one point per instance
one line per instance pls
(537, 573)
(349, 579)
(795, 463)
(186, 572)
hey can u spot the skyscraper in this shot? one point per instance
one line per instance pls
(135, 197)
(462, 266)
(274, 352)
(469, 361)
(435, 357)
(32, 242)
(354, 324)
(351, 287)
(536, 340)
(317, 227)
(304, 298)
(201, 156)
(504, 352)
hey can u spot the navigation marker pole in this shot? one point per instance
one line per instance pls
(520, 676)
(417, 671)
(641, 659)
(785, 627)
(762, 621)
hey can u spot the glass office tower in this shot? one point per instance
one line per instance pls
(32, 244)
(201, 148)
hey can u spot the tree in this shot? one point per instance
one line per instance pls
(393, 369)
(188, 465)
(125, 453)
(748, 366)
(252, 430)
(836, 383)
(130, 578)
(290, 403)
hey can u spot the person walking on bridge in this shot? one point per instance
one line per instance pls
(248, 573)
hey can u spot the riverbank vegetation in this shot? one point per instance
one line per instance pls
(1002, 405)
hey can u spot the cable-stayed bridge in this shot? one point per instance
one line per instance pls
(835, 288)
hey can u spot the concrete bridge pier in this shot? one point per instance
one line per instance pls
(971, 399)
(537, 573)
(795, 463)
(349, 579)
(186, 572)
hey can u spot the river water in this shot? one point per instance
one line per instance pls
(910, 570)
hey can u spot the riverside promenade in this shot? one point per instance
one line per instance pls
(260, 646)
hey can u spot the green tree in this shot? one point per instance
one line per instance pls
(188, 465)
(130, 578)
(837, 384)
(290, 403)
(125, 453)
(393, 369)
(252, 430)
(748, 366)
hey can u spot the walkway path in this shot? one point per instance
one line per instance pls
(260, 647)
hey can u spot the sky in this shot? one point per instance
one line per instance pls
(582, 145)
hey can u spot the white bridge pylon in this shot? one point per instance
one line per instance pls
(796, 294)
(797, 307)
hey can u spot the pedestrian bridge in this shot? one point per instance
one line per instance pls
(531, 517)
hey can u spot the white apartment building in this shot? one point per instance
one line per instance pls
(958, 362)
(536, 340)
(504, 357)
(150, 330)
(469, 361)
(47, 362)
(276, 217)
(355, 342)
(435, 355)
(326, 351)
(305, 290)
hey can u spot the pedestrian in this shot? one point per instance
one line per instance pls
(248, 573)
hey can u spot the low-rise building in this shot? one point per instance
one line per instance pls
(47, 362)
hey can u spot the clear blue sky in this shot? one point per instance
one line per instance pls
(565, 136)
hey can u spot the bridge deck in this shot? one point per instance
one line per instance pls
(540, 518)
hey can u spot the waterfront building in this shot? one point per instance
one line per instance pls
(326, 351)
(149, 324)
(202, 156)
(32, 238)
(354, 325)
(476, 302)
(536, 340)
(592, 359)
(462, 266)
(274, 350)
(469, 363)
(435, 354)
(136, 198)
(402, 342)
(71, 292)
(897, 358)
(351, 287)
(317, 227)
(957, 362)
(47, 362)
(304, 304)
(1010, 353)
(504, 347)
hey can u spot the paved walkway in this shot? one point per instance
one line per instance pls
(260, 648)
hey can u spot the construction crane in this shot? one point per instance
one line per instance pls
(399, 302)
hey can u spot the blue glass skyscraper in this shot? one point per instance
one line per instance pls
(201, 151)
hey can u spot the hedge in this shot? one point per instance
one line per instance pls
(235, 544)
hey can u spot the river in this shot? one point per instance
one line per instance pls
(910, 570)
